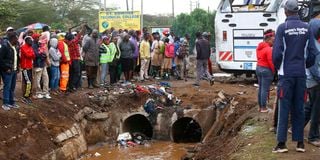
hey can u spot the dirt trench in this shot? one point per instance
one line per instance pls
(30, 132)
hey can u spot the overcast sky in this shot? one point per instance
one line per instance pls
(163, 6)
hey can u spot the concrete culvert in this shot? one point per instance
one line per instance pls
(186, 130)
(138, 124)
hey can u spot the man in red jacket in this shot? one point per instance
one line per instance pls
(74, 51)
(26, 63)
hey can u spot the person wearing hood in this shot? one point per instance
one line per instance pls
(55, 57)
(265, 69)
(26, 64)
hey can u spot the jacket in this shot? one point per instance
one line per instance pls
(27, 56)
(105, 56)
(73, 47)
(313, 73)
(40, 60)
(136, 48)
(127, 49)
(91, 51)
(203, 49)
(7, 57)
(54, 53)
(264, 56)
(290, 46)
(145, 50)
(169, 50)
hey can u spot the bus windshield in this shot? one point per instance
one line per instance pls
(250, 5)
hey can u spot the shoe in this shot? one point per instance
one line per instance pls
(272, 129)
(300, 147)
(39, 96)
(96, 86)
(196, 85)
(290, 130)
(47, 96)
(315, 143)
(264, 110)
(211, 82)
(15, 106)
(29, 100)
(90, 87)
(24, 100)
(5, 107)
(280, 148)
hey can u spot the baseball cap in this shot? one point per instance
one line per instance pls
(292, 5)
(205, 34)
(9, 28)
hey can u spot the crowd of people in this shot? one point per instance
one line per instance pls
(292, 52)
(52, 62)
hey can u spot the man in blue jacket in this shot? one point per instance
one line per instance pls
(312, 107)
(289, 51)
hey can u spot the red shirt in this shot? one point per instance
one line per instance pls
(74, 49)
(264, 56)
(27, 56)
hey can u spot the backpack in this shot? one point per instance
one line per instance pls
(162, 47)
(181, 52)
(169, 52)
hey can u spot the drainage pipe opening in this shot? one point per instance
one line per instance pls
(186, 130)
(138, 124)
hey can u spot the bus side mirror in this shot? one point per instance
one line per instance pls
(304, 13)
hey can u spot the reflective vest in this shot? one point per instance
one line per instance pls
(105, 57)
(66, 51)
(113, 51)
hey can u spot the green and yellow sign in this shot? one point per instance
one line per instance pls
(119, 20)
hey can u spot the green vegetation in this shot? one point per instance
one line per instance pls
(198, 21)
(257, 142)
(60, 14)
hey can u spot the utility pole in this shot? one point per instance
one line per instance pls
(105, 5)
(131, 5)
(193, 4)
(173, 8)
(127, 5)
(141, 18)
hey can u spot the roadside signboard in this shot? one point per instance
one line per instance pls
(119, 20)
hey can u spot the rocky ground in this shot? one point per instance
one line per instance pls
(29, 132)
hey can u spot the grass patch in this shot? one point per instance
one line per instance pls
(257, 142)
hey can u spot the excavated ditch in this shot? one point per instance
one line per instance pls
(64, 129)
(171, 126)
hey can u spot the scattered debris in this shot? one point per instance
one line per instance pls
(97, 154)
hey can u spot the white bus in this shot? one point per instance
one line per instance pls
(239, 27)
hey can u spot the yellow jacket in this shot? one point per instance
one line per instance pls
(145, 50)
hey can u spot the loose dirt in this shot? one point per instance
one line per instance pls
(27, 133)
